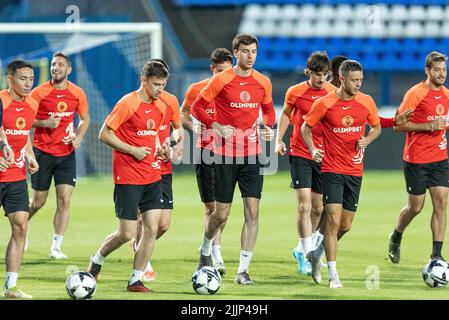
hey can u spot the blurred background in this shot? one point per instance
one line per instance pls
(389, 37)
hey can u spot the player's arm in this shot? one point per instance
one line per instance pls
(178, 136)
(372, 135)
(185, 116)
(4, 145)
(108, 136)
(83, 126)
(283, 124)
(306, 132)
(33, 166)
(51, 122)
(410, 126)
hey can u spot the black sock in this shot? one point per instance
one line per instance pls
(437, 245)
(396, 237)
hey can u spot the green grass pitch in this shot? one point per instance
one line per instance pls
(361, 252)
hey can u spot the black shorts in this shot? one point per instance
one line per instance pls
(419, 177)
(305, 173)
(245, 171)
(205, 175)
(129, 198)
(167, 191)
(341, 188)
(62, 168)
(14, 196)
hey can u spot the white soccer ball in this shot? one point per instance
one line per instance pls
(206, 280)
(435, 274)
(81, 285)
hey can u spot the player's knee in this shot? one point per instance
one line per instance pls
(210, 208)
(37, 203)
(126, 235)
(415, 209)
(64, 202)
(20, 228)
(304, 209)
(163, 227)
(316, 211)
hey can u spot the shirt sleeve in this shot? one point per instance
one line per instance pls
(411, 101)
(373, 117)
(206, 96)
(83, 106)
(119, 115)
(176, 114)
(386, 122)
(316, 113)
(188, 100)
(1, 113)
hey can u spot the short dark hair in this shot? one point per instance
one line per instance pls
(62, 55)
(221, 55)
(13, 66)
(336, 63)
(317, 62)
(154, 69)
(434, 56)
(348, 66)
(245, 39)
(165, 64)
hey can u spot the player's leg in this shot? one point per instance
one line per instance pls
(317, 204)
(250, 182)
(225, 180)
(304, 227)
(126, 199)
(65, 180)
(61, 219)
(150, 219)
(164, 220)
(150, 206)
(204, 170)
(438, 222)
(416, 177)
(16, 202)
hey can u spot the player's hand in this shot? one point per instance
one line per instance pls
(402, 118)
(140, 153)
(362, 143)
(438, 124)
(223, 131)
(33, 166)
(280, 147)
(199, 128)
(178, 149)
(267, 133)
(165, 152)
(8, 153)
(4, 164)
(76, 143)
(317, 155)
(53, 121)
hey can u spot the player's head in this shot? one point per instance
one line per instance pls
(220, 60)
(154, 77)
(335, 67)
(20, 77)
(317, 69)
(351, 76)
(245, 50)
(60, 68)
(436, 68)
(165, 64)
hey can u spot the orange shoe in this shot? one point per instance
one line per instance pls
(149, 276)
(138, 287)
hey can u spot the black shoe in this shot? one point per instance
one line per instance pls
(243, 278)
(432, 257)
(204, 261)
(94, 269)
(394, 250)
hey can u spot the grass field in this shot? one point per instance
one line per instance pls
(362, 250)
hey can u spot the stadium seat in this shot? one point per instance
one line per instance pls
(435, 13)
(416, 13)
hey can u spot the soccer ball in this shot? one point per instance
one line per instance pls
(206, 280)
(80, 285)
(435, 274)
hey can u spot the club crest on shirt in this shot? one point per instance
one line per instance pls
(62, 106)
(20, 123)
(439, 109)
(347, 121)
(245, 96)
(151, 125)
